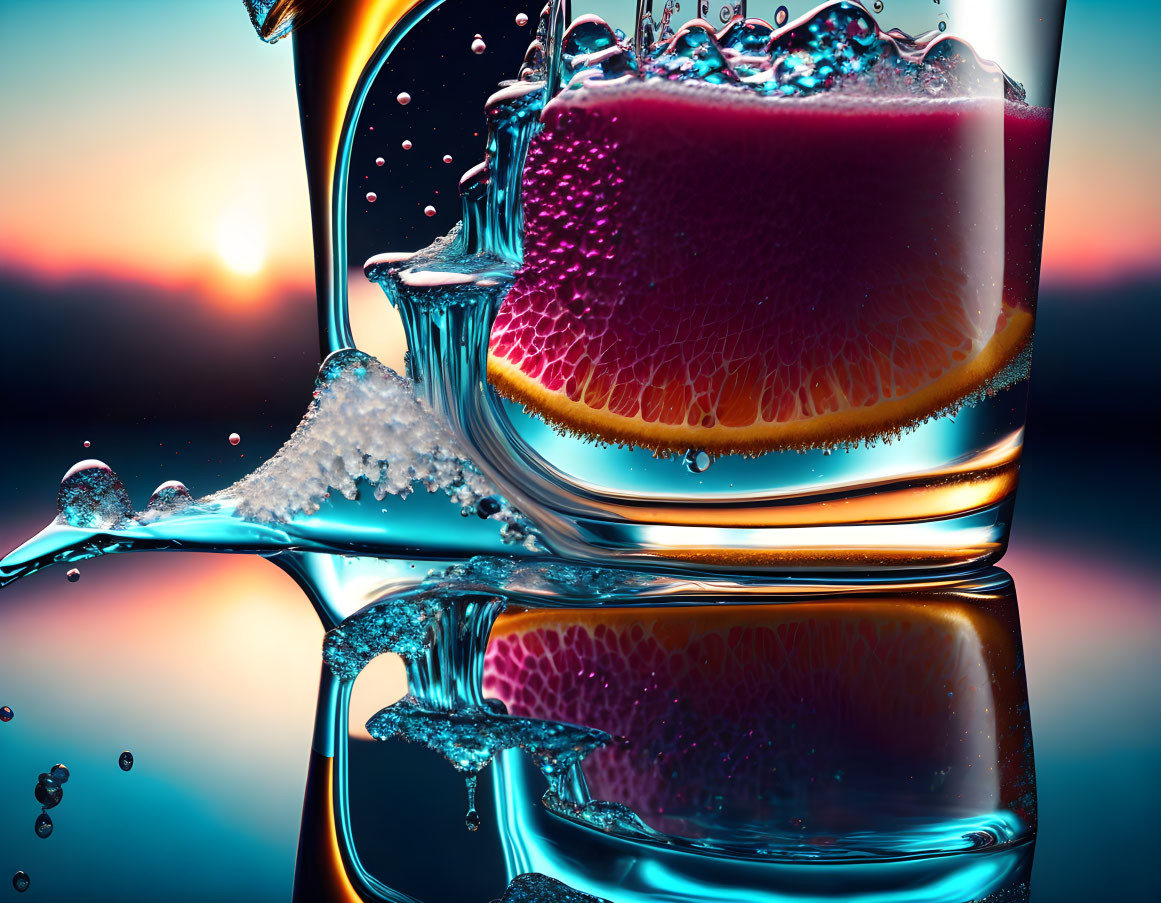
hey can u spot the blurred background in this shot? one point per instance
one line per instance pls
(156, 285)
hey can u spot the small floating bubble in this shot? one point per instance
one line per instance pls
(379, 161)
(429, 210)
(60, 773)
(372, 197)
(43, 826)
(697, 460)
(781, 15)
(235, 438)
(407, 144)
(877, 6)
(87, 443)
(404, 98)
(125, 760)
(20, 881)
(478, 45)
(447, 158)
(943, 26)
(73, 575)
(48, 792)
(521, 19)
(487, 506)
(6, 714)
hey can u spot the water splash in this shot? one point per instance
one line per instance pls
(537, 888)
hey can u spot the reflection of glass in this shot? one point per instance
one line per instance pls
(793, 740)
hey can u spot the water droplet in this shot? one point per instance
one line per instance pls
(20, 881)
(943, 26)
(379, 161)
(521, 19)
(407, 144)
(92, 496)
(372, 197)
(472, 818)
(429, 210)
(697, 460)
(87, 443)
(487, 506)
(125, 760)
(404, 98)
(447, 158)
(60, 773)
(781, 15)
(43, 826)
(478, 46)
(73, 574)
(6, 714)
(48, 792)
(235, 438)
(877, 6)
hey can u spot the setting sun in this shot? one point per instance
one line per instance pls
(242, 240)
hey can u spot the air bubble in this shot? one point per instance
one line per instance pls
(697, 460)
(877, 6)
(379, 161)
(372, 197)
(478, 46)
(6, 714)
(20, 881)
(73, 575)
(429, 210)
(407, 144)
(235, 438)
(43, 825)
(48, 792)
(943, 26)
(60, 773)
(521, 19)
(125, 760)
(404, 98)
(781, 16)
(87, 443)
(447, 158)
(169, 495)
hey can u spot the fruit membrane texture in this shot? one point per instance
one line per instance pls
(710, 266)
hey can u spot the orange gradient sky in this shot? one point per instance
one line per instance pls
(132, 154)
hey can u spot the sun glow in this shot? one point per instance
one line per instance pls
(242, 240)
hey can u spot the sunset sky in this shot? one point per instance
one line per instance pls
(144, 149)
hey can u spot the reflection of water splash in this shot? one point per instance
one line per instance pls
(534, 888)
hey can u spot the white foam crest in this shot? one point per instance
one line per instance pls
(364, 429)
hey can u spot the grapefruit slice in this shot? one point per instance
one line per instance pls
(829, 719)
(737, 274)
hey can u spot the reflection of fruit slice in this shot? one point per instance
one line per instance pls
(830, 718)
(751, 275)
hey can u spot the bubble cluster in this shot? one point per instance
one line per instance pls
(91, 496)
